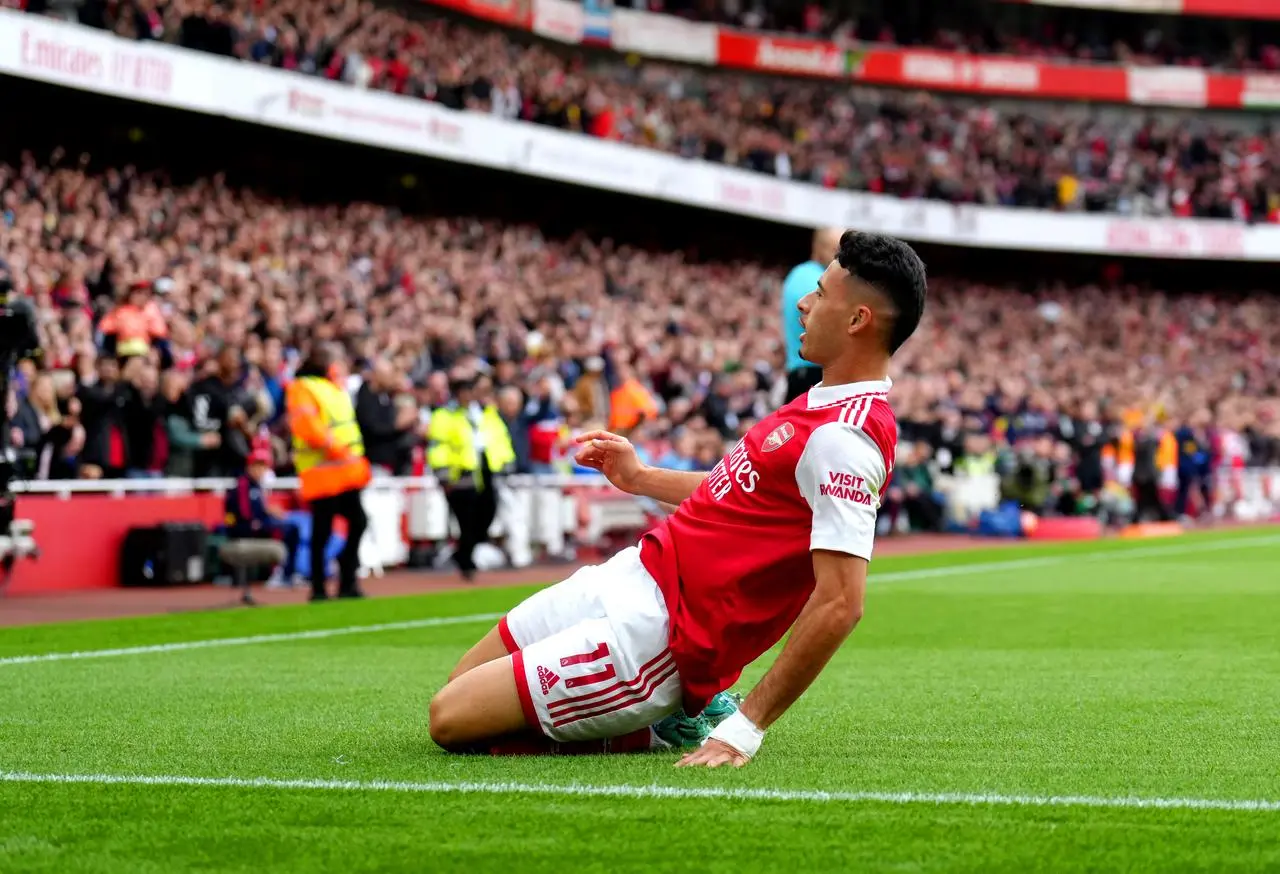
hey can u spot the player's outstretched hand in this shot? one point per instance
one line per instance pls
(612, 455)
(713, 754)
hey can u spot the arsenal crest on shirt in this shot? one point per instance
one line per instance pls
(778, 436)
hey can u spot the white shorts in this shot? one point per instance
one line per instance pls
(590, 653)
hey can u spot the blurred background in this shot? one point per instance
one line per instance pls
(586, 213)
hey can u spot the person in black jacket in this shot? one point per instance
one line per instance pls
(106, 449)
(144, 410)
(511, 406)
(219, 406)
(1146, 474)
(208, 31)
(387, 426)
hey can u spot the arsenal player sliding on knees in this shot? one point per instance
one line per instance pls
(636, 653)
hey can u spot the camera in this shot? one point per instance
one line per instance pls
(18, 336)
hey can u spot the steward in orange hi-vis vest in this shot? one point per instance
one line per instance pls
(328, 449)
(328, 452)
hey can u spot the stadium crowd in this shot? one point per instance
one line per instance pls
(911, 145)
(172, 318)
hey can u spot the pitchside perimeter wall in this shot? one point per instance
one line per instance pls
(80, 525)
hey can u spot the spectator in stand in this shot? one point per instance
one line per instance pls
(710, 451)
(102, 402)
(1030, 479)
(274, 375)
(386, 417)
(183, 438)
(26, 426)
(1194, 469)
(1089, 434)
(248, 516)
(135, 326)
(219, 406)
(548, 443)
(630, 403)
(683, 453)
(511, 407)
(1154, 458)
(913, 480)
(146, 432)
(592, 390)
(717, 406)
(50, 428)
(205, 28)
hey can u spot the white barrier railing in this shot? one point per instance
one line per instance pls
(220, 484)
(1248, 495)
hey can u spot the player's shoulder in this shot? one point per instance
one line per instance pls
(838, 447)
(859, 424)
(836, 434)
(870, 412)
(880, 421)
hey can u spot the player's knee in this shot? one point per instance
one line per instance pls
(451, 722)
(443, 721)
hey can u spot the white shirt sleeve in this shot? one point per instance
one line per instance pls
(840, 474)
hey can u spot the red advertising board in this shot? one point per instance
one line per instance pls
(946, 71)
(996, 74)
(776, 54)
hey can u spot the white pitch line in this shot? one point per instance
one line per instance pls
(816, 796)
(880, 578)
(1049, 560)
(316, 634)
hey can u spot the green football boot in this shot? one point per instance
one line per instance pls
(721, 707)
(682, 731)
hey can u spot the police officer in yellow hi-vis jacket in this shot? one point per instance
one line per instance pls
(328, 453)
(469, 443)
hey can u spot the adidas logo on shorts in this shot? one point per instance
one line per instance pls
(547, 679)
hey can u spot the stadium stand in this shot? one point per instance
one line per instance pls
(906, 144)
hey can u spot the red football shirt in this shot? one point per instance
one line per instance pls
(733, 561)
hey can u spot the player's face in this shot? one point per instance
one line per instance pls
(825, 316)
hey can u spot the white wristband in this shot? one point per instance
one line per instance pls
(740, 733)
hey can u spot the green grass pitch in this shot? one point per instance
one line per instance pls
(1107, 707)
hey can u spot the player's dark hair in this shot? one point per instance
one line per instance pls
(895, 270)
